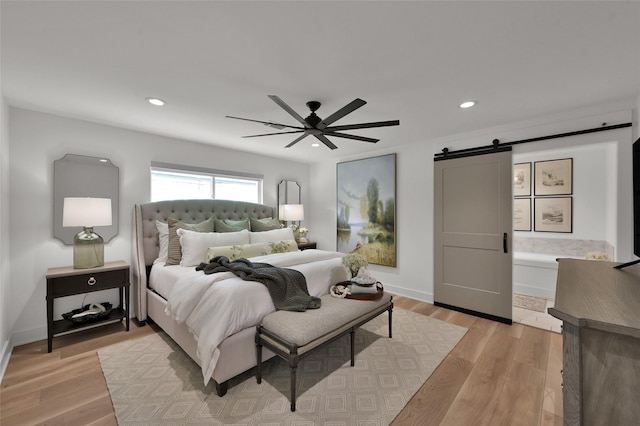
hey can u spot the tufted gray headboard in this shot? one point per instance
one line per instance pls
(145, 234)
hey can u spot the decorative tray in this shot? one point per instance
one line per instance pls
(373, 296)
(98, 312)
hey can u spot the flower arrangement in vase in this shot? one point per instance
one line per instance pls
(353, 262)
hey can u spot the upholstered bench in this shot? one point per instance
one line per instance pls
(292, 335)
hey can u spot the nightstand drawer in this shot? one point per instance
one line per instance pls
(75, 284)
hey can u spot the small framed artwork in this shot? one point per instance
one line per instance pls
(554, 214)
(554, 177)
(522, 179)
(522, 214)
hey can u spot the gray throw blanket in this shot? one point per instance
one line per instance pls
(287, 287)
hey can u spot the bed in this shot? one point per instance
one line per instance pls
(185, 302)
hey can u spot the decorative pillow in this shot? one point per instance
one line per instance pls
(272, 236)
(251, 250)
(260, 225)
(174, 254)
(163, 238)
(228, 225)
(195, 244)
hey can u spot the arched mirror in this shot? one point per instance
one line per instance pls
(82, 176)
(289, 192)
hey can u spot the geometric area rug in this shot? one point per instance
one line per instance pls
(152, 381)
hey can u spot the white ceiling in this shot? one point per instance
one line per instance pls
(411, 61)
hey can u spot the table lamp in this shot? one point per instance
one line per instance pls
(88, 247)
(292, 213)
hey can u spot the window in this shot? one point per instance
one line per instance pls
(174, 182)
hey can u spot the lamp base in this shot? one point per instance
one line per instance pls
(88, 249)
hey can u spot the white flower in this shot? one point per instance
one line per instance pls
(353, 262)
(303, 230)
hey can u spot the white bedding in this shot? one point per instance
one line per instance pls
(218, 305)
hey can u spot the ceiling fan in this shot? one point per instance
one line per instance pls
(320, 128)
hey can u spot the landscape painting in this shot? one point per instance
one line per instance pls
(553, 214)
(554, 177)
(522, 214)
(366, 208)
(522, 179)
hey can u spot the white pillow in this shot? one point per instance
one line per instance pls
(163, 236)
(272, 236)
(195, 244)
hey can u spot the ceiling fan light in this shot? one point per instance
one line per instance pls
(156, 101)
(467, 104)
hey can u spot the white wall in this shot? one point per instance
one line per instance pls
(636, 121)
(5, 301)
(413, 276)
(594, 189)
(36, 140)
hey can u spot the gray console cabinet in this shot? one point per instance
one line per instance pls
(600, 310)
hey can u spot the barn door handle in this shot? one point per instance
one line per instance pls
(505, 246)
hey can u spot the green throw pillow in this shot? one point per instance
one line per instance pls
(267, 224)
(174, 254)
(229, 225)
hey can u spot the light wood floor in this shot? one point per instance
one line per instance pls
(496, 375)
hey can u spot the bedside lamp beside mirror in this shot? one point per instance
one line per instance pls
(88, 247)
(293, 213)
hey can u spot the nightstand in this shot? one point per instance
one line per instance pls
(68, 281)
(308, 245)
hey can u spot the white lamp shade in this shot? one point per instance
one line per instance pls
(86, 212)
(291, 212)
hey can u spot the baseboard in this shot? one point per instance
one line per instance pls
(534, 291)
(7, 348)
(411, 294)
(29, 336)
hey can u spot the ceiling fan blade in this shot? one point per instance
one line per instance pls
(327, 142)
(349, 108)
(290, 110)
(363, 125)
(298, 139)
(266, 123)
(354, 137)
(272, 134)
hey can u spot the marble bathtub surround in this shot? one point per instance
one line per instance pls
(562, 246)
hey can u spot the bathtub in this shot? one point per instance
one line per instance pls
(535, 274)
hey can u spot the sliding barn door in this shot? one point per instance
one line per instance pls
(472, 234)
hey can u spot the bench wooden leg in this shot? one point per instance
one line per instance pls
(221, 388)
(352, 335)
(258, 359)
(293, 387)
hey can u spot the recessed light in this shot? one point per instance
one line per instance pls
(315, 144)
(156, 101)
(467, 104)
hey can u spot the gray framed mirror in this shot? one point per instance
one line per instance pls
(83, 176)
(289, 192)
